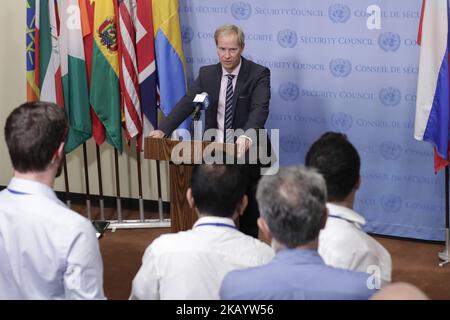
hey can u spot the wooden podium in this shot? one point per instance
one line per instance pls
(181, 216)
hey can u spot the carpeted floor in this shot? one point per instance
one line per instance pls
(413, 261)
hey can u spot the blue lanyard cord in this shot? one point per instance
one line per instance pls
(17, 192)
(338, 217)
(216, 225)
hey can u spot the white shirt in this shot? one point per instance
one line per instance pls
(222, 99)
(192, 264)
(47, 251)
(343, 244)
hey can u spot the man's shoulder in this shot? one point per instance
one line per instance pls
(257, 272)
(255, 67)
(44, 206)
(172, 241)
(253, 242)
(344, 234)
(210, 69)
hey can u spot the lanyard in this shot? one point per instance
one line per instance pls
(338, 217)
(17, 192)
(216, 225)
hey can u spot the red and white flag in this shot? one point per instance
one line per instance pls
(47, 26)
(129, 83)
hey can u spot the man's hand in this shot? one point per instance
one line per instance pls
(243, 143)
(157, 134)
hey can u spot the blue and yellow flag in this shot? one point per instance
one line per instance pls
(170, 61)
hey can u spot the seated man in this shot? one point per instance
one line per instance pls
(343, 243)
(46, 250)
(191, 264)
(293, 211)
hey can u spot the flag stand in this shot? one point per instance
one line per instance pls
(444, 255)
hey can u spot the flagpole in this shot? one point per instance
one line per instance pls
(119, 204)
(160, 204)
(66, 182)
(86, 179)
(141, 199)
(444, 255)
(100, 183)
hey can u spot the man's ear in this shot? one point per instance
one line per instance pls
(358, 183)
(262, 224)
(242, 205)
(59, 154)
(190, 198)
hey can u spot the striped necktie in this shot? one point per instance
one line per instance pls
(229, 110)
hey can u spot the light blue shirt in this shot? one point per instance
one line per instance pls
(47, 251)
(295, 274)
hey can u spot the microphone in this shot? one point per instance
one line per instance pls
(201, 101)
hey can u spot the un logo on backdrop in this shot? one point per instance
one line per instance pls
(290, 143)
(390, 150)
(187, 34)
(391, 203)
(288, 91)
(341, 121)
(340, 68)
(389, 41)
(339, 13)
(241, 10)
(390, 96)
(287, 38)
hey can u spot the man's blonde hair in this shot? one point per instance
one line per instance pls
(230, 28)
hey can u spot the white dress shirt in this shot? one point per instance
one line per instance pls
(47, 251)
(222, 99)
(343, 244)
(192, 264)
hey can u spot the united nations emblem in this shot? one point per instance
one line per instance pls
(391, 203)
(390, 96)
(290, 143)
(341, 121)
(339, 13)
(287, 38)
(241, 10)
(108, 34)
(390, 150)
(340, 68)
(187, 34)
(389, 41)
(288, 91)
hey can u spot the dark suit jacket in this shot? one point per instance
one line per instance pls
(250, 100)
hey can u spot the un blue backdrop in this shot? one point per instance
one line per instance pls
(340, 66)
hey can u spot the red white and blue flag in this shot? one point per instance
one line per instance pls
(145, 52)
(138, 71)
(129, 85)
(433, 101)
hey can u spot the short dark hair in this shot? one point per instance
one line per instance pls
(293, 203)
(218, 188)
(338, 161)
(33, 132)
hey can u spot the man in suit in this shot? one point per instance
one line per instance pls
(239, 93)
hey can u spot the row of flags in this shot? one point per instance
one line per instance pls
(109, 63)
(433, 86)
